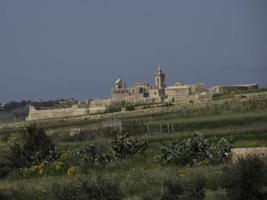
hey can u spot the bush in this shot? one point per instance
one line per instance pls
(189, 188)
(219, 152)
(195, 150)
(124, 146)
(33, 148)
(90, 155)
(245, 179)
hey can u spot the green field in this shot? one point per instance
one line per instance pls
(141, 176)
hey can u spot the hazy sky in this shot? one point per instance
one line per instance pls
(77, 48)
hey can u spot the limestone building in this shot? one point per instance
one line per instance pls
(144, 93)
(234, 88)
(98, 105)
(140, 92)
(184, 92)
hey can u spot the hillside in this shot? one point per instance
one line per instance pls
(142, 175)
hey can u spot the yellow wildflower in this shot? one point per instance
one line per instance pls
(64, 156)
(41, 172)
(58, 165)
(72, 171)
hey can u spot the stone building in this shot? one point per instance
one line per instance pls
(183, 92)
(234, 88)
(99, 105)
(140, 92)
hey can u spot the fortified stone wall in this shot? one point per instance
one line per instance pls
(99, 105)
(77, 114)
(55, 113)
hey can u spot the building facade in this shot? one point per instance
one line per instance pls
(159, 92)
(141, 92)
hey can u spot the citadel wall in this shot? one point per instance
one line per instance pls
(206, 104)
(179, 107)
(55, 113)
(99, 105)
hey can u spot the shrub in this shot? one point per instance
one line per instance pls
(245, 179)
(90, 155)
(186, 151)
(219, 152)
(195, 150)
(124, 146)
(33, 148)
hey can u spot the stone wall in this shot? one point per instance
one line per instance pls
(77, 114)
(99, 105)
(55, 113)
(237, 153)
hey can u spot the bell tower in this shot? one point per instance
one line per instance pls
(160, 79)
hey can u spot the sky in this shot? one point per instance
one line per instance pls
(78, 48)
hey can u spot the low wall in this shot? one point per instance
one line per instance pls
(237, 153)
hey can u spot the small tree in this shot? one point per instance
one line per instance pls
(245, 179)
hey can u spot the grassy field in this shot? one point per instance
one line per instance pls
(141, 176)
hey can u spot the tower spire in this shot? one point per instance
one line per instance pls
(160, 78)
(159, 67)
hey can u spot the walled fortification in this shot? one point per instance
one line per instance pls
(184, 96)
(76, 114)
(55, 113)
